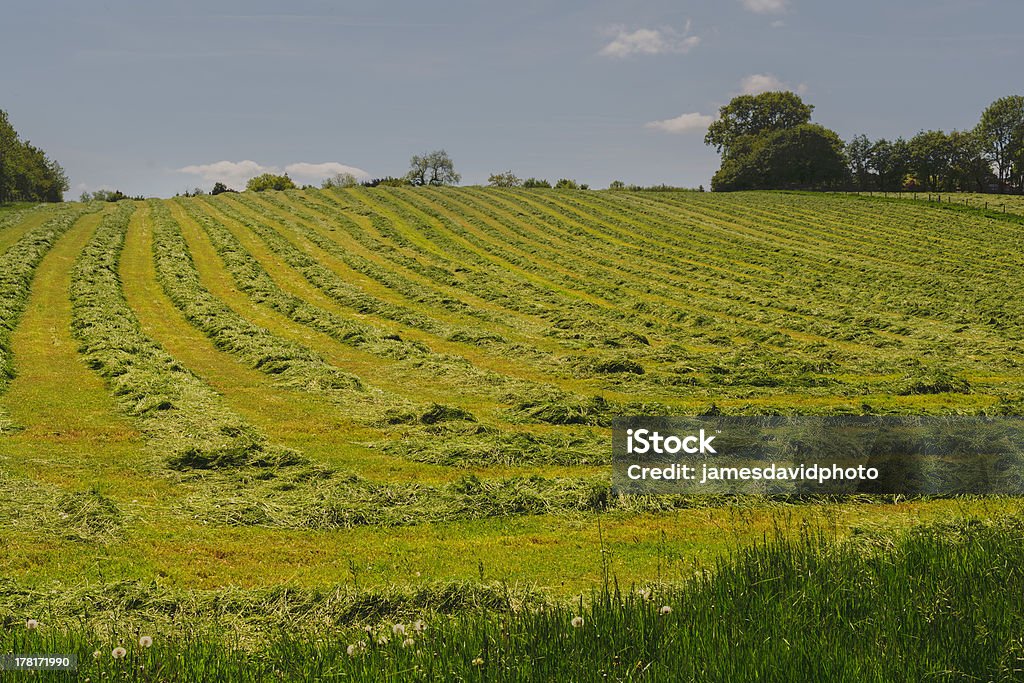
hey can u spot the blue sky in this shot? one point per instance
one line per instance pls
(156, 97)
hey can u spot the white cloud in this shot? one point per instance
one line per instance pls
(234, 174)
(683, 123)
(766, 6)
(778, 23)
(231, 173)
(759, 83)
(649, 41)
(312, 173)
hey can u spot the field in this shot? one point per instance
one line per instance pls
(318, 411)
(1001, 203)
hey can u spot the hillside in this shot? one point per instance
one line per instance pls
(353, 405)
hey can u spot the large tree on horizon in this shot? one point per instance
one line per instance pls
(767, 142)
(755, 114)
(1001, 131)
(26, 173)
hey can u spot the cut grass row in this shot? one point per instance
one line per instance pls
(430, 442)
(291, 364)
(256, 282)
(17, 267)
(180, 414)
(866, 371)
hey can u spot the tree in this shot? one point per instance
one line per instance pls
(858, 151)
(930, 156)
(339, 180)
(220, 188)
(433, 168)
(804, 157)
(533, 183)
(1001, 131)
(969, 170)
(889, 163)
(506, 179)
(566, 184)
(755, 114)
(617, 185)
(269, 181)
(26, 173)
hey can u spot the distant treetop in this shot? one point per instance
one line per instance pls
(269, 181)
(26, 173)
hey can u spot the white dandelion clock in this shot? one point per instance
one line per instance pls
(31, 624)
(146, 641)
(398, 629)
(408, 642)
(118, 653)
(665, 609)
(577, 622)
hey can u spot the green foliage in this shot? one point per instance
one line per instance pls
(1001, 131)
(767, 142)
(505, 179)
(566, 184)
(754, 115)
(532, 183)
(806, 156)
(386, 181)
(117, 196)
(339, 180)
(270, 181)
(26, 173)
(432, 168)
(220, 188)
(858, 152)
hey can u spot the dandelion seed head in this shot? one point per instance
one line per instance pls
(31, 624)
(383, 640)
(408, 642)
(146, 641)
(665, 609)
(398, 629)
(577, 622)
(97, 654)
(118, 653)
(418, 626)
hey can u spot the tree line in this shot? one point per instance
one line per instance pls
(26, 173)
(767, 141)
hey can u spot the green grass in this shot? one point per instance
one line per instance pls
(441, 366)
(928, 604)
(997, 203)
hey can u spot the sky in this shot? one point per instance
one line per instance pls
(155, 98)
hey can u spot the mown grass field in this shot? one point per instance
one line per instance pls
(345, 408)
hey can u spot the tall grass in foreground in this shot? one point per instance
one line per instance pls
(941, 602)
